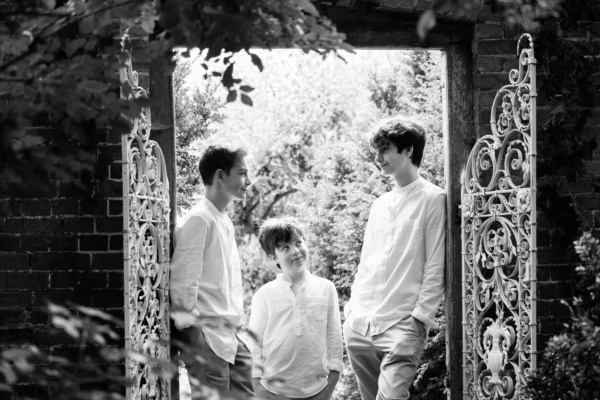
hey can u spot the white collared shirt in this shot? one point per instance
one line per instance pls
(401, 269)
(206, 277)
(298, 339)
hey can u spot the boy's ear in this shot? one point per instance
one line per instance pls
(219, 175)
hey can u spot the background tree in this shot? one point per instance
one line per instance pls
(308, 133)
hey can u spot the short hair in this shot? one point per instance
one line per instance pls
(218, 157)
(403, 133)
(275, 231)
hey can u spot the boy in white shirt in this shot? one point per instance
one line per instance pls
(206, 278)
(296, 322)
(400, 278)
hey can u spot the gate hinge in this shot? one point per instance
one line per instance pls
(458, 215)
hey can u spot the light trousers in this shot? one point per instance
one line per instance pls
(385, 364)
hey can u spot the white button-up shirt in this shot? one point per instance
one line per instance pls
(206, 277)
(298, 339)
(401, 269)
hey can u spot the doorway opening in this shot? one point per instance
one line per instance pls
(307, 133)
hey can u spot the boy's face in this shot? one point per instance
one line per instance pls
(292, 256)
(390, 161)
(237, 181)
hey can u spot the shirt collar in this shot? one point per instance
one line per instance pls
(281, 278)
(212, 207)
(410, 186)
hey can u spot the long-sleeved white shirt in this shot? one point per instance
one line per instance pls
(401, 269)
(298, 339)
(206, 278)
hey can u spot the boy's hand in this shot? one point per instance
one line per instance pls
(194, 335)
(332, 380)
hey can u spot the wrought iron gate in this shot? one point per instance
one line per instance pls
(499, 243)
(146, 251)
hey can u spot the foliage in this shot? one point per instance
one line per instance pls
(308, 139)
(59, 65)
(196, 110)
(570, 367)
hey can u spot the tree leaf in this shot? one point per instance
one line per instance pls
(426, 24)
(86, 25)
(246, 88)
(246, 100)
(94, 86)
(256, 61)
(231, 96)
(227, 78)
(49, 4)
(75, 45)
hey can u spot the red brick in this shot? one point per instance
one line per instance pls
(60, 261)
(115, 207)
(555, 290)
(44, 225)
(93, 206)
(15, 299)
(35, 280)
(490, 64)
(109, 224)
(75, 189)
(10, 243)
(63, 207)
(37, 242)
(558, 309)
(10, 208)
(67, 242)
(15, 336)
(115, 280)
(11, 261)
(36, 208)
(491, 81)
(107, 261)
(14, 225)
(116, 242)
(93, 280)
(108, 298)
(52, 337)
(109, 188)
(78, 224)
(588, 201)
(80, 297)
(495, 47)
(93, 243)
(116, 171)
(11, 317)
(488, 31)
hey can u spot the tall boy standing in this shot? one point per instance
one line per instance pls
(296, 322)
(206, 277)
(400, 277)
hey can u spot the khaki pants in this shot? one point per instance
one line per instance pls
(385, 364)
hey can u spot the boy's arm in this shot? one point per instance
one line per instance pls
(334, 332)
(364, 254)
(432, 288)
(186, 268)
(256, 327)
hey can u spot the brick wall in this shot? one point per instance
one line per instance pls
(494, 51)
(62, 245)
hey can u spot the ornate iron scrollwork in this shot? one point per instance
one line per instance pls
(146, 251)
(499, 243)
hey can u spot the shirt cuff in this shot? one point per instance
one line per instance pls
(335, 365)
(420, 315)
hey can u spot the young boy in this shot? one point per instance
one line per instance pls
(206, 277)
(296, 322)
(400, 278)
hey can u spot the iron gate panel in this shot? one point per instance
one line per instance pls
(499, 243)
(146, 213)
